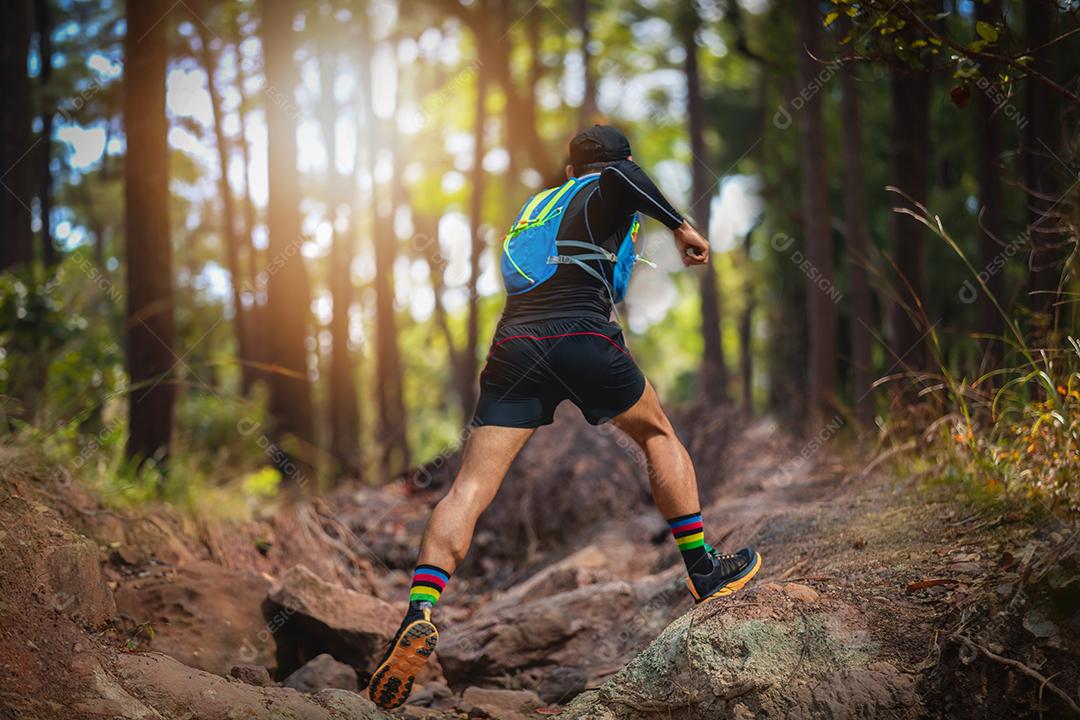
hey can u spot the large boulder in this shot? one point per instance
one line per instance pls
(312, 617)
(592, 630)
(763, 654)
(204, 615)
(144, 686)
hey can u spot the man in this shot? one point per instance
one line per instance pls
(565, 263)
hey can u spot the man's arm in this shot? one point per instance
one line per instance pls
(624, 188)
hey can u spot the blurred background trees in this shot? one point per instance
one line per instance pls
(265, 232)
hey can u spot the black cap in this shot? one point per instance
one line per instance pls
(600, 143)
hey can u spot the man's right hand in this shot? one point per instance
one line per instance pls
(693, 248)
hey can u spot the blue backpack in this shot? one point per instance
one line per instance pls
(531, 251)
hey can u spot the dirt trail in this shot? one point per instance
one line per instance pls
(877, 599)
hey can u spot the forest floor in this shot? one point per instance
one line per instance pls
(880, 596)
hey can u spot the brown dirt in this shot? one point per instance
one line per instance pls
(899, 578)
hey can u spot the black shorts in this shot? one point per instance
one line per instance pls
(535, 366)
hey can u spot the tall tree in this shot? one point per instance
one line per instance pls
(991, 203)
(208, 57)
(43, 20)
(342, 401)
(150, 334)
(391, 434)
(858, 250)
(821, 311)
(287, 288)
(256, 313)
(467, 381)
(587, 111)
(15, 143)
(910, 90)
(713, 368)
(1041, 149)
(746, 329)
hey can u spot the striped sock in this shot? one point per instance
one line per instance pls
(428, 583)
(689, 533)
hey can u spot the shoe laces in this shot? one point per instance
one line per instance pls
(712, 551)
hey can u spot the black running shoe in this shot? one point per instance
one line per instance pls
(392, 680)
(728, 574)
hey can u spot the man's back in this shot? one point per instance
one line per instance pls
(600, 214)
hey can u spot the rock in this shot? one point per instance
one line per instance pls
(763, 657)
(316, 617)
(255, 675)
(322, 672)
(802, 593)
(570, 630)
(430, 693)
(74, 582)
(499, 704)
(170, 690)
(204, 615)
(560, 685)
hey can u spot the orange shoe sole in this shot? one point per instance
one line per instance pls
(392, 681)
(732, 586)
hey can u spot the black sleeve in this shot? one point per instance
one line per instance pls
(626, 189)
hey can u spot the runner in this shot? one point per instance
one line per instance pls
(566, 263)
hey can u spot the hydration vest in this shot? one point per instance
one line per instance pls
(532, 253)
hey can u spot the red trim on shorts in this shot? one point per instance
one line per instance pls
(563, 335)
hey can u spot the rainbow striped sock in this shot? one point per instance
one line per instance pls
(428, 582)
(689, 533)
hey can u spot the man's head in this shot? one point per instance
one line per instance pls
(595, 148)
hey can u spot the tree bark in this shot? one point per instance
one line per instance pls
(15, 143)
(911, 149)
(255, 314)
(821, 310)
(470, 367)
(344, 417)
(1042, 142)
(209, 60)
(392, 436)
(858, 252)
(988, 150)
(287, 288)
(587, 112)
(746, 330)
(713, 368)
(150, 335)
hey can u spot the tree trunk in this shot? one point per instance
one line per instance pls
(521, 121)
(991, 202)
(391, 435)
(256, 345)
(344, 417)
(428, 230)
(1042, 142)
(467, 381)
(15, 214)
(746, 333)
(150, 335)
(858, 252)
(287, 289)
(587, 111)
(713, 368)
(209, 60)
(43, 20)
(821, 310)
(911, 149)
